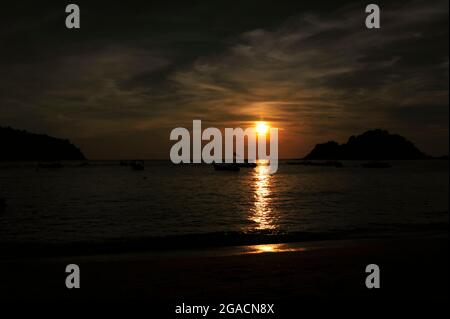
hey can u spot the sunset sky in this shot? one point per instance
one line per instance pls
(136, 70)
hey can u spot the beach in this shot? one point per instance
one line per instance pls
(410, 268)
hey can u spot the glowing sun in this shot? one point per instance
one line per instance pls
(262, 128)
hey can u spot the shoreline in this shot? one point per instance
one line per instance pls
(219, 241)
(273, 247)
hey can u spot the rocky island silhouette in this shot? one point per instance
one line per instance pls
(19, 145)
(372, 145)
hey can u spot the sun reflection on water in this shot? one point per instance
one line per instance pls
(272, 248)
(262, 213)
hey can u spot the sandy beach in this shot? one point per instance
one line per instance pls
(410, 269)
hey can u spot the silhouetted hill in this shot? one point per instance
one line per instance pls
(17, 145)
(371, 145)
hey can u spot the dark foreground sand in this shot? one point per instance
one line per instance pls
(410, 268)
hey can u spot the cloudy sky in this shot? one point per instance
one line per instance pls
(136, 70)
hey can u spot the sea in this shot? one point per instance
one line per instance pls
(105, 202)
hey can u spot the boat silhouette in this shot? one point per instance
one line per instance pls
(230, 167)
(2, 205)
(50, 165)
(313, 163)
(246, 164)
(376, 164)
(137, 165)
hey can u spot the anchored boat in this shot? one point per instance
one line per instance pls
(231, 167)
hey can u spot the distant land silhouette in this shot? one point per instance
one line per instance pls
(18, 145)
(372, 145)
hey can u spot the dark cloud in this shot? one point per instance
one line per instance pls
(141, 68)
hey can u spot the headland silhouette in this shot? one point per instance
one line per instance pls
(19, 145)
(372, 145)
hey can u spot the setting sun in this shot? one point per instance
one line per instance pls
(261, 128)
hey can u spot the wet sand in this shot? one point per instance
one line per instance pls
(410, 268)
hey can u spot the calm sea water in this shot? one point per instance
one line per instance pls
(106, 201)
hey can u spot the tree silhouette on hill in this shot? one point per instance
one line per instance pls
(18, 145)
(371, 145)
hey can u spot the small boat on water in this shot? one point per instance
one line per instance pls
(50, 165)
(376, 164)
(246, 164)
(137, 166)
(2, 205)
(230, 167)
(313, 163)
(235, 166)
